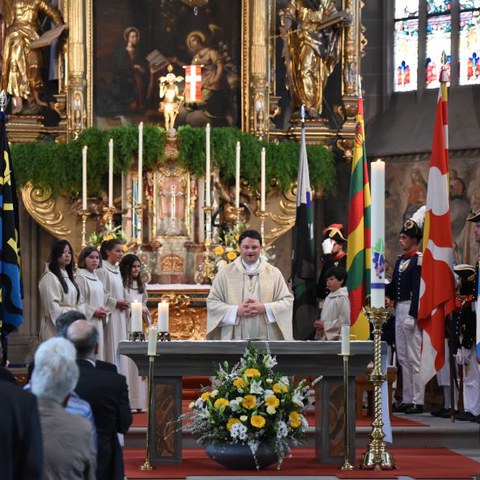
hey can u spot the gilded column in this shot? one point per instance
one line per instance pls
(76, 69)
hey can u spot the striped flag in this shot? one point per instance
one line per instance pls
(437, 291)
(10, 285)
(305, 310)
(358, 247)
(193, 83)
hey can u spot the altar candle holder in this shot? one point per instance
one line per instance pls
(151, 352)
(139, 211)
(263, 215)
(376, 456)
(164, 337)
(84, 214)
(237, 211)
(208, 224)
(108, 215)
(136, 337)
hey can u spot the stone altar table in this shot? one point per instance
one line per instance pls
(304, 358)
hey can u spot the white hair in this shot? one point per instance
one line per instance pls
(55, 372)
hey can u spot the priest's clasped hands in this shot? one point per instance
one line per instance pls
(250, 308)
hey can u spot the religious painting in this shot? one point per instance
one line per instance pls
(137, 44)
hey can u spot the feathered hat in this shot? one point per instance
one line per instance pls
(413, 227)
(334, 231)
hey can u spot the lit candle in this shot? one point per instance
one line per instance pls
(207, 167)
(110, 173)
(84, 177)
(152, 340)
(136, 316)
(140, 163)
(162, 321)
(345, 339)
(377, 267)
(262, 181)
(237, 176)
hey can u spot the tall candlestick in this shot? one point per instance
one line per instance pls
(136, 316)
(345, 333)
(377, 268)
(207, 167)
(84, 177)
(237, 176)
(110, 173)
(152, 340)
(162, 322)
(262, 181)
(140, 163)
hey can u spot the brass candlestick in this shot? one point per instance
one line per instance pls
(163, 337)
(108, 215)
(237, 211)
(377, 457)
(346, 462)
(139, 211)
(151, 363)
(84, 214)
(263, 215)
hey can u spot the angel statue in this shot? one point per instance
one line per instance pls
(170, 106)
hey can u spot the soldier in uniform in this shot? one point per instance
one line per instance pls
(404, 289)
(334, 255)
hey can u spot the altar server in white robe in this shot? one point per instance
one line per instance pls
(249, 298)
(59, 292)
(97, 303)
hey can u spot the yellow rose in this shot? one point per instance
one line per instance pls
(294, 419)
(249, 402)
(107, 238)
(205, 396)
(232, 421)
(231, 256)
(257, 421)
(280, 388)
(218, 250)
(239, 383)
(125, 248)
(272, 401)
(252, 372)
(221, 402)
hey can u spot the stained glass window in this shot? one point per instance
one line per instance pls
(434, 7)
(439, 35)
(465, 4)
(406, 9)
(406, 55)
(469, 48)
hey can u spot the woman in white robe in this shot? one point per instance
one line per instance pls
(59, 292)
(97, 303)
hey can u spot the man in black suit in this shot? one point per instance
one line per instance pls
(21, 453)
(107, 393)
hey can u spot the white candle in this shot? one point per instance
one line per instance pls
(110, 173)
(302, 113)
(84, 177)
(162, 322)
(345, 339)
(377, 266)
(237, 176)
(262, 181)
(140, 163)
(152, 340)
(207, 167)
(136, 316)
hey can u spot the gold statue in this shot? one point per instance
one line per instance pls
(311, 49)
(22, 65)
(169, 91)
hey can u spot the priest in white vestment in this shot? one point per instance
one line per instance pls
(249, 298)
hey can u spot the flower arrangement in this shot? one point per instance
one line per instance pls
(96, 238)
(250, 404)
(229, 250)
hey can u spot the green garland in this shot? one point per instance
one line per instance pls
(58, 166)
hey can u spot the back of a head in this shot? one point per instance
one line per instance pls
(84, 337)
(65, 320)
(56, 373)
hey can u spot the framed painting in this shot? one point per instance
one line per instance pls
(135, 45)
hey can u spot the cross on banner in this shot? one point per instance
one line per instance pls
(193, 83)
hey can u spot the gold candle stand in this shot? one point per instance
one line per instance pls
(263, 215)
(346, 463)
(376, 456)
(84, 214)
(237, 211)
(108, 215)
(139, 211)
(136, 337)
(147, 465)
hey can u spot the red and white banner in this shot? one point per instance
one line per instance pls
(437, 290)
(193, 83)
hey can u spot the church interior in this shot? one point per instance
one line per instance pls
(174, 125)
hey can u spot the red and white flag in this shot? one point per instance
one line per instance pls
(437, 290)
(193, 83)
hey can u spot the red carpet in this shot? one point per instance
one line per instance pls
(416, 463)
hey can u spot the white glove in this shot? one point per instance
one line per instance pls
(327, 246)
(463, 356)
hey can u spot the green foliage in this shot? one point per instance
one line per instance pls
(59, 166)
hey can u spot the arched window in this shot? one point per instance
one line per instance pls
(424, 31)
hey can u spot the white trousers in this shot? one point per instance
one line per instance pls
(471, 384)
(408, 341)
